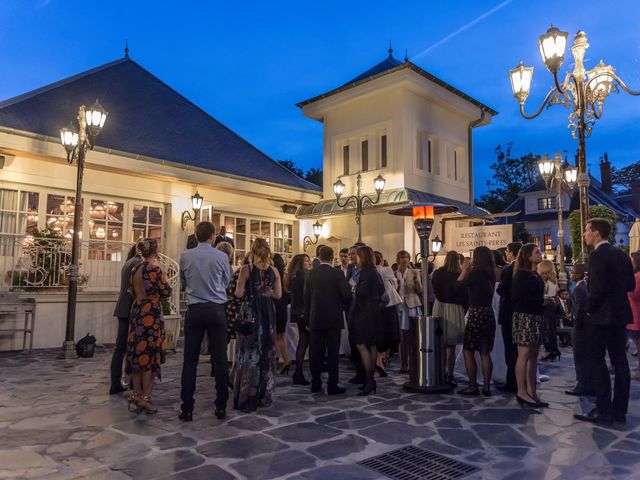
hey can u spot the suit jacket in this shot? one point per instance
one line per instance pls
(610, 278)
(504, 290)
(579, 304)
(326, 293)
(125, 299)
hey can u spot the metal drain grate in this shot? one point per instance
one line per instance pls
(413, 463)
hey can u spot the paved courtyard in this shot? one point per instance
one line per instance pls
(57, 422)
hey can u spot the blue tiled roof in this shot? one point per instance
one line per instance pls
(147, 118)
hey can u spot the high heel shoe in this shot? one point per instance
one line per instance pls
(381, 371)
(144, 402)
(370, 387)
(540, 402)
(285, 369)
(132, 399)
(298, 379)
(525, 403)
(551, 357)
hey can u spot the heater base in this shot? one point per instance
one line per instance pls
(413, 388)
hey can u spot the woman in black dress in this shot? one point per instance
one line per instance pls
(479, 278)
(294, 282)
(366, 315)
(281, 318)
(527, 297)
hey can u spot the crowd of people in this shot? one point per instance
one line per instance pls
(374, 301)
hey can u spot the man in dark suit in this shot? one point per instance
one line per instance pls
(326, 292)
(122, 312)
(223, 237)
(583, 334)
(610, 278)
(505, 313)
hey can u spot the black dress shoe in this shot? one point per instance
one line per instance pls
(505, 387)
(316, 388)
(117, 389)
(594, 416)
(221, 413)
(619, 418)
(186, 416)
(336, 390)
(299, 380)
(578, 393)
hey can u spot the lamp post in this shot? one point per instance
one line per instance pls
(90, 123)
(358, 200)
(554, 174)
(196, 205)
(436, 246)
(317, 231)
(582, 91)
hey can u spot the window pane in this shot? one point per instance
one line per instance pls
(138, 232)
(365, 155)
(288, 231)
(255, 228)
(215, 219)
(265, 229)
(7, 222)
(241, 225)
(8, 199)
(345, 160)
(155, 232)
(278, 245)
(240, 241)
(96, 251)
(114, 232)
(279, 228)
(139, 214)
(98, 210)
(239, 257)
(229, 224)
(288, 246)
(29, 202)
(383, 153)
(115, 211)
(155, 216)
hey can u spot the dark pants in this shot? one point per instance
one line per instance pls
(583, 338)
(510, 351)
(119, 352)
(325, 346)
(610, 339)
(212, 319)
(551, 336)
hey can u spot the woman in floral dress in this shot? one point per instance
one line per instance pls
(146, 329)
(256, 352)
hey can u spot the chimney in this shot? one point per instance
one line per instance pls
(635, 196)
(605, 174)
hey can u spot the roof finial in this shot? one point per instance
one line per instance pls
(126, 49)
(390, 50)
(406, 55)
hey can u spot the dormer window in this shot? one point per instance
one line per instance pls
(547, 203)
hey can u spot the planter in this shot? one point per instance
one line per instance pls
(171, 330)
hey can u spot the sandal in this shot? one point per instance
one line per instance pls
(469, 392)
(144, 402)
(133, 399)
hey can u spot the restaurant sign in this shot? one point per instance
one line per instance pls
(492, 236)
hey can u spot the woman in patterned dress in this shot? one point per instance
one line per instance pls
(146, 329)
(254, 382)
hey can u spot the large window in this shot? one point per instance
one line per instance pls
(147, 222)
(236, 228)
(106, 230)
(547, 203)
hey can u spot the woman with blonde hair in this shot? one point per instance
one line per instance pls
(547, 271)
(259, 284)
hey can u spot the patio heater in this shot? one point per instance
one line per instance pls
(426, 354)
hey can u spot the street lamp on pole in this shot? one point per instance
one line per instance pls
(554, 174)
(358, 200)
(90, 123)
(584, 92)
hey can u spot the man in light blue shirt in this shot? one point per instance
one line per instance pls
(205, 273)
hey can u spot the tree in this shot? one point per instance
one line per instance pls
(314, 175)
(291, 166)
(623, 177)
(576, 232)
(520, 233)
(511, 176)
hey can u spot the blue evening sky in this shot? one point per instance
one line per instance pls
(248, 63)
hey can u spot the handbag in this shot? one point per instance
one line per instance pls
(246, 321)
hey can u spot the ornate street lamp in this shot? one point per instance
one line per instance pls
(196, 205)
(436, 246)
(562, 177)
(317, 231)
(90, 123)
(584, 92)
(358, 200)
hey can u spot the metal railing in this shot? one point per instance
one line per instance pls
(42, 264)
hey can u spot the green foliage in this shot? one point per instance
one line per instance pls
(576, 233)
(314, 175)
(291, 166)
(622, 177)
(511, 176)
(520, 233)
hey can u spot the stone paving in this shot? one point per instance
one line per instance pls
(57, 422)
